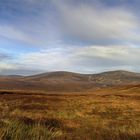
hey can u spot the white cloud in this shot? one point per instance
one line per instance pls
(86, 59)
(92, 23)
(7, 66)
(69, 22)
(75, 23)
(10, 32)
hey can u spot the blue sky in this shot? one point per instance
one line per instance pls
(87, 36)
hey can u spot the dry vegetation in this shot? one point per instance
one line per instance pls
(108, 114)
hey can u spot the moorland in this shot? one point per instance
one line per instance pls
(70, 106)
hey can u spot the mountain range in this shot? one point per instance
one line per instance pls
(69, 81)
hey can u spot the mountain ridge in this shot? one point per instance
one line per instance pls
(69, 81)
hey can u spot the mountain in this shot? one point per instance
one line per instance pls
(117, 78)
(68, 81)
(58, 76)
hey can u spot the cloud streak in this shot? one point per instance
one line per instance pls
(4, 57)
(89, 59)
(98, 23)
(64, 21)
(81, 36)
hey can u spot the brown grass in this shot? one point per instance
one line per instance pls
(105, 114)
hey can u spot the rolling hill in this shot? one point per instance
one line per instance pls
(68, 81)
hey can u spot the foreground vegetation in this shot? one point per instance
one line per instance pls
(109, 114)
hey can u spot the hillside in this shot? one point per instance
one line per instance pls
(117, 78)
(68, 81)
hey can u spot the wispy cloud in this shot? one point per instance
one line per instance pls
(100, 24)
(88, 59)
(83, 36)
(6, 66)
(13, 33)
(60, 20)
(4, 56)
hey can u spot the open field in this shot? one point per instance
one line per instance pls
(105, 114)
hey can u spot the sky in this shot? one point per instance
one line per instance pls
(85, 36)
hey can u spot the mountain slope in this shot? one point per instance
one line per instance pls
(117, 78)
(58, 75)
(68, 81)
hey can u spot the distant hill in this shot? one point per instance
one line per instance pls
(117, 78)
(68, 81)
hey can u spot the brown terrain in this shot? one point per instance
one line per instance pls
(68, 81)
(70, 106)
